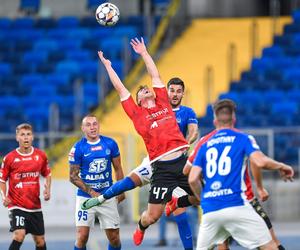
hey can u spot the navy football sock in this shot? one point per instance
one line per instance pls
(77, 248)
(184, 230)
(119, 187)
(110, 247)
(15, 245)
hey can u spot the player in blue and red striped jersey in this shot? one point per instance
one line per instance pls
(220, 162)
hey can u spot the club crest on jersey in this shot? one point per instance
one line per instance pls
(107, 151)
(36, 157)
(178, 119)
(96, 148)
(216, 185)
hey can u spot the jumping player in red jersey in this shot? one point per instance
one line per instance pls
(155, 121)
(22, 167)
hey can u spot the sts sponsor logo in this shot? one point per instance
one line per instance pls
(98, 165)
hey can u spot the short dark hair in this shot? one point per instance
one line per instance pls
(176, 81)
(26, 126)
(137, 92)
(224, 110)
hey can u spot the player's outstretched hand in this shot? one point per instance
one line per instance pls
(6, 201)
(286, 172)
(105, 61)
(263, 194)
(46, 193)
(138, 45)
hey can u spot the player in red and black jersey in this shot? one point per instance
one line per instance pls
(22, 168)
(155, 121)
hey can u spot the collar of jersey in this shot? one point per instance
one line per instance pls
(94, 142)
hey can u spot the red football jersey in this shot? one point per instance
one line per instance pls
(23, 173)
(249, 191)
(157, 125)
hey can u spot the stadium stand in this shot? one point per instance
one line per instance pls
(268, 94)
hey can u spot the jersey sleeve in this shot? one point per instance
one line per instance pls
(192, 118)
(4, 169)
(129, 106)
(115, 152)
(161, 94)
(75, 155)
(193, 154)
(45, 171)
(199, 158)
(251, 145)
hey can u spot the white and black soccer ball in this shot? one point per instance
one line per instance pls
(107, 14)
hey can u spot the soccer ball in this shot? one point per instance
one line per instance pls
(107, 14)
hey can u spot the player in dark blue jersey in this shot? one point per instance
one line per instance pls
(220, 162)
(140, 176)
(91, 160)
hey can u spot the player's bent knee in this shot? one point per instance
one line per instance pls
(39, 240)
(19, 235)
(114, 238)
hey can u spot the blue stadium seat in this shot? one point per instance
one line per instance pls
(5, 69)
(32, 80)
(79, 33)
(294, 96)
(39, 117)
(48, 91)
(68, 22)
(117, 44)
(58, 79)
(261, 64)
(45, 23)
(9, 102)
(35, 57)
(78, 55)
(230, 95)
(23, 68)
(30, 6)
(56, 56)
(296, 16)
(46, 45)
(91, 44)
(291, 28)
(274, 96)
(5, 23)
(89, 70)
(89, 21)
(284, 108)
(125, 31)
(274, 51)
(69, 44)
(23, 23)
(68, 67)
(90, 92)
(57, 33)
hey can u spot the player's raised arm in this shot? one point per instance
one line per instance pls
(114, 78)
(257, 175)
(260, 160)
(140, 48)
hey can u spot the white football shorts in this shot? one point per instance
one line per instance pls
(241, 222)
(107, 214)
(144, 171)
